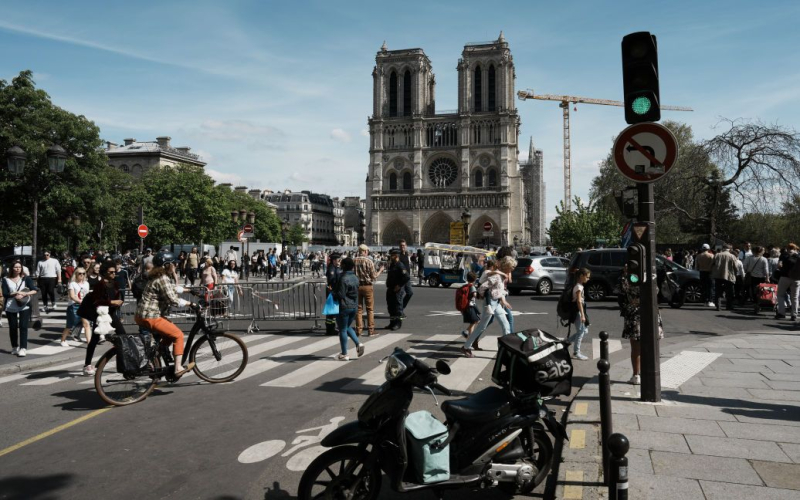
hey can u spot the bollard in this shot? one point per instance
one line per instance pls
(618, 445)
(606, 426)
(604, 345)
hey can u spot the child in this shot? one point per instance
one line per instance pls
(493, 289)
(471, 314)
(581, 320)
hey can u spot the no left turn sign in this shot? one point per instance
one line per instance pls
(645, 152)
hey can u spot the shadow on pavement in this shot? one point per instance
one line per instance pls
(276, 492)
(34, 488)
(740, 407)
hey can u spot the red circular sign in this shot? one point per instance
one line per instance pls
(487, 226)
(143, 231)
(248, 228)
(645, 152)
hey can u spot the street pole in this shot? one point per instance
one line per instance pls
(141, 221)
(34, 263)
(651, 369)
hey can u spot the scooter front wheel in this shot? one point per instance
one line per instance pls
(339, 473)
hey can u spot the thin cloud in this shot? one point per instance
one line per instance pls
(340, 135)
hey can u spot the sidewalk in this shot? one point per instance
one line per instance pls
(728, 425)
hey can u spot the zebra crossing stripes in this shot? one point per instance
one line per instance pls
(614, 345)
(263, 365)
(317, 369)
(464, 371)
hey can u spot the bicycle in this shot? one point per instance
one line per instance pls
(218, 356)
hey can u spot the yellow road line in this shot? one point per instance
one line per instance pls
(572, 491)
(577, 439)
(53, 431)
(581, 409)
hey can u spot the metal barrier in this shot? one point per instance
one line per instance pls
(282, 301)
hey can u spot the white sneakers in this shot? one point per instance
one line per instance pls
(64, 343)
(22, 353)
(711, 304)
(635, 380)
(343, 357)
(580, 356)
(88, 370)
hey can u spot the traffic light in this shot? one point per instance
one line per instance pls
(636, 264)
(640, 77)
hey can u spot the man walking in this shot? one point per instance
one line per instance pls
(366, 274)
(192, 263)
(407, 288)
(723, 273)
(396, 280)
(703, 263)
(49, 273)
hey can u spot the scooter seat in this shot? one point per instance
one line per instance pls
(483, 406)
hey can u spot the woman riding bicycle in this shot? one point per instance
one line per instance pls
(158, 296)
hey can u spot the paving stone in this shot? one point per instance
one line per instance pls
(792, 450)
(623, 422)
(742, 383)
(777, 475)
(783, 385)
(772, 395)
(661, 441)
(762, 418)
(734, 470)
(680, 426)
(663, 488)
(733, 376)
(769, 363)
(782, 433)
(728, 491)
(795, 362)
(632, 408)
(739, 368)
(639, 462)
(775, 355)
(695, 412)
(737, 448)
(716, 392)
(727, 352)
(789, 377)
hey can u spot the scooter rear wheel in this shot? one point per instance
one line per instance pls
(337, 474)
(541, 455)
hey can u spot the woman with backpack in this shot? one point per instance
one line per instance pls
(470, 313)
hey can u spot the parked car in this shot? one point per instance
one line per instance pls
(540, 273)
(606, 266)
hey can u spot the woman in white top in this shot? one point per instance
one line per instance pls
(78, 289)
(17, 292)
(231, 277)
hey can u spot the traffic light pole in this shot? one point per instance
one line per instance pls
(648, 307)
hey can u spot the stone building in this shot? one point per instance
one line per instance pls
(136, 157)
(532, 172)
(427, 165)
(315, 213)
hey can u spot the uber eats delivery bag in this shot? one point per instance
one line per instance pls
(533, 361)
(428, 464)
(131, 352)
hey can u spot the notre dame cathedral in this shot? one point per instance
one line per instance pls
(427, 165)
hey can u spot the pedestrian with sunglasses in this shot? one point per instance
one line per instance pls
(77, 291)
(105, 293)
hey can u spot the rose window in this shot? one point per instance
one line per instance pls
(442, 172)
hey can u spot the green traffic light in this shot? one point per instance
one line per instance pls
(641, 105)
(634, 278)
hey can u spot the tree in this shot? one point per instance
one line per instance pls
(296, 236)
(582, 227)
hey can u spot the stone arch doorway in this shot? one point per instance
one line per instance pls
(437, 229)
(476, 236)
(394, 232)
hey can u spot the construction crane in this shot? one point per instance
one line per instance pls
(564, 103)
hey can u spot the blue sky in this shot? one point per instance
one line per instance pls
(277, 94)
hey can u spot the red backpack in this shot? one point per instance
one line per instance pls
(462, 297)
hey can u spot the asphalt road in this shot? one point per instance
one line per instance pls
(253, 438)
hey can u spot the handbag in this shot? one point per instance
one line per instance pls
(331, 306)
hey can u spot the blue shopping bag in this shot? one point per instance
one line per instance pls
(331, 307)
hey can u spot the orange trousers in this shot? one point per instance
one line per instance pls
(166, 328)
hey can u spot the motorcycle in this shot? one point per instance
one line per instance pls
(495, 437)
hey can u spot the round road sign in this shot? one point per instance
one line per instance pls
(240, 236)
(248, 228)
(645, 152)
(142, 231)
(487, 226)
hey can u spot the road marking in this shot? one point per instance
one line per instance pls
(464, 370)
(577, 439)
(458, 313)
(581, 409)
(317, 369)
(573, 491)
(53, 431)
(263, 365)
(614, 345)
(679, 369)
(375, 377)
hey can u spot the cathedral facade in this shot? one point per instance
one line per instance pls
(427, 165)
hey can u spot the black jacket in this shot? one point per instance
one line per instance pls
(397, 275)
(346, 291)
(332, 274)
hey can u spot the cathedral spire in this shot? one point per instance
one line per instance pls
(383, 47)
(502, 38)
(531, 151)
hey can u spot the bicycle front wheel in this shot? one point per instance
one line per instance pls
(119, 389)
(219, 357)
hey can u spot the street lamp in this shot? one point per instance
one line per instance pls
(466, 216)
(250, 217)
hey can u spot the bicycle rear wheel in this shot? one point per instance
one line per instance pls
(118, 389)
(219, 357)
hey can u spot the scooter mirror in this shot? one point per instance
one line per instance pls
(442, 367)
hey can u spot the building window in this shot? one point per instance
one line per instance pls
(393, 94)
(407, 181)
(125, 168)
(478, 178)
(393, 182)
(492, 177)
(478, 89)
(407, 93)
(442, 172)
(492, 89)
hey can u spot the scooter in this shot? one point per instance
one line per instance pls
(495, 438)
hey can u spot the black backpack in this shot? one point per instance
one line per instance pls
(566, 308)
(137, 287)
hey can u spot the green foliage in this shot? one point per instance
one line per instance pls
(583, 226)
(295, 236)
